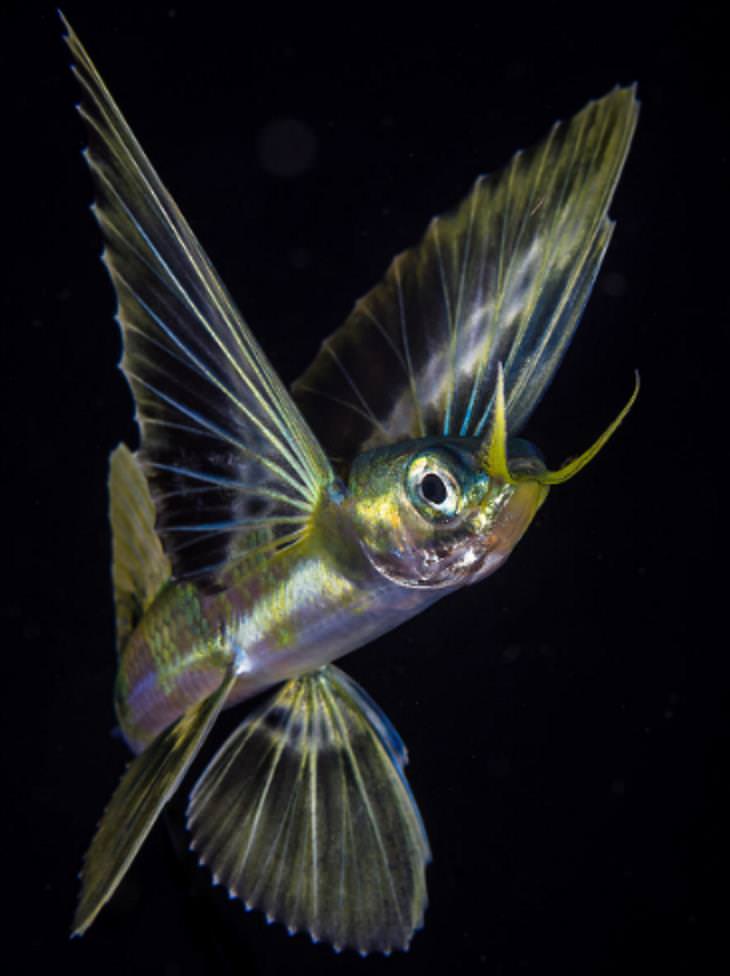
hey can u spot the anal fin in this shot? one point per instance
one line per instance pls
(148, 783)
(305, 814)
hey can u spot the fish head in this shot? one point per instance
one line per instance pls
(443, 511)
(427, 514)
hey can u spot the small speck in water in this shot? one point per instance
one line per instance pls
(614, 284)
(286, 147)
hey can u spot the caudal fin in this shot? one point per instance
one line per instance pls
(305, 814)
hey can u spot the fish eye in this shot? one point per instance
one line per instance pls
(433, 488)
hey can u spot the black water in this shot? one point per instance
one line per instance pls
(565, 719)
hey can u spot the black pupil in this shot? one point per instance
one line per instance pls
(433, 489)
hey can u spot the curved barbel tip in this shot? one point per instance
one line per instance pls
(492, 455)
(574, 465)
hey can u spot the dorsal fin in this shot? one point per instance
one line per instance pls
(140, 567)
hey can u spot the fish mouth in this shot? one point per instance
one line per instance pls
(510, 524)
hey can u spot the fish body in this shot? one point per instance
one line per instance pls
(304, 607)
(259, 535)
(354, 577)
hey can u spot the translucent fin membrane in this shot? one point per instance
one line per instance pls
(227, 454)
(501, 279)
(149, 782)
(305, 814)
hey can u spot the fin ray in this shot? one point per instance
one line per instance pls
(140, 567)
(207, 398)
(148, 783)
(305, 814)
(503, 278)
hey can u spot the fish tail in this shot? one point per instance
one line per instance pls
(140, 567)
(305, 814)
(148, 783)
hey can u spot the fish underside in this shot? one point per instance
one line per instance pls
(260, 534)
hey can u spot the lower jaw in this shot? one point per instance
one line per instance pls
(489, 564)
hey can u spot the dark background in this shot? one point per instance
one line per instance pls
(565, 719)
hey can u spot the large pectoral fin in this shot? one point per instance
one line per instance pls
(149, 782)
(502, 279)
(305, 814)
(231, 463)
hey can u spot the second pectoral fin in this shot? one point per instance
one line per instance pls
(305, 814)
(499, 282)
(148, 783)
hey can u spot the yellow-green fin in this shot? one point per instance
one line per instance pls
(497, 284)
(306, 815)
(225, 449)
(140, 567)
(148, 783)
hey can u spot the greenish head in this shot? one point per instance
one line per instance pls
(441, 512)
(429, 515)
